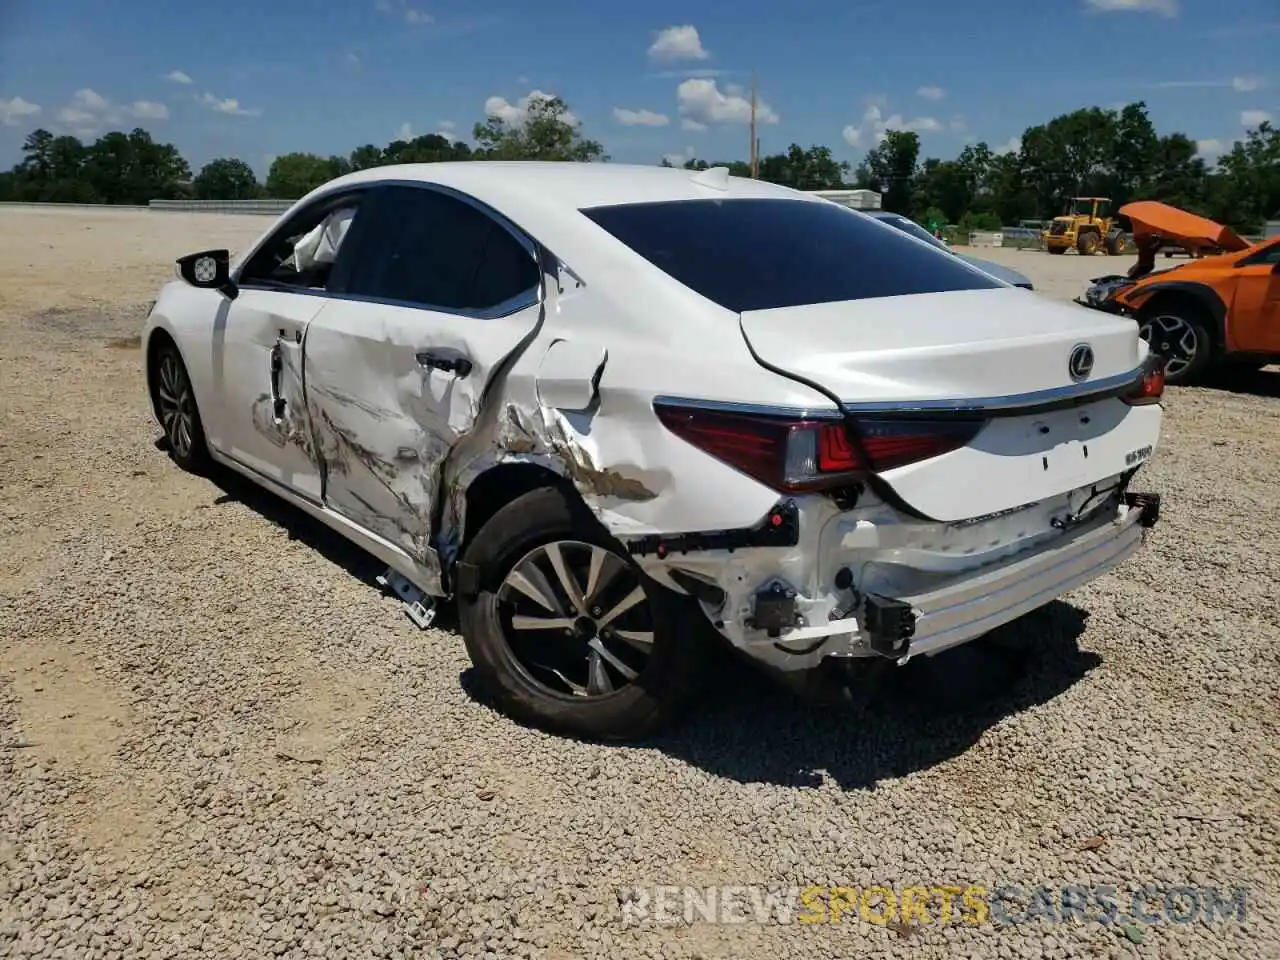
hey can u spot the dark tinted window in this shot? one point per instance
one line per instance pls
(1268, 255)
(760, 254)
(430, 248)
(913, 228)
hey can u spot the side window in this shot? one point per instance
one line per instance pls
(1268, 257)
(301, 254)
(432, 249)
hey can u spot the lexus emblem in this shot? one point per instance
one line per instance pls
(1080, 365)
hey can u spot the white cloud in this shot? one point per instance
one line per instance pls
(88, 113)
(1012, 145)
(1246, 84)
(678, 43)
(404, 132)
(679, 159)
(640, 118)
(446, 126)
(149, 110)
(1252, 118)
(702, 104)
(931, 93)
(874, 125)
(401, 9)
(1166, 8)
(227, 105)
(177, 76)
(691, 72)
(516, 114)
(1209, 148)
(16, 110)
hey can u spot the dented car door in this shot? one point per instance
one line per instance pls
(441, 292)
(258, 375)
(261, 418)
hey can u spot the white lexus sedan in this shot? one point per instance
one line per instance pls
(613, 411)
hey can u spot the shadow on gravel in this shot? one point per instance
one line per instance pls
(750, 730)
(334, 548)
(1255, 383)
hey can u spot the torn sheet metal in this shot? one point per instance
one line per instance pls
(387, 407)
(569, 375)
(280, 415)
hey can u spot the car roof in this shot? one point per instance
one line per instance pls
(569, 185)
(544, 199)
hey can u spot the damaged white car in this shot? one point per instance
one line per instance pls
(614, 410)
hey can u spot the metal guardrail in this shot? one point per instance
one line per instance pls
(21, 204)
(251, 207)
(271, 208)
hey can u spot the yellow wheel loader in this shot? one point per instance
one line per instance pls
(1087, 225)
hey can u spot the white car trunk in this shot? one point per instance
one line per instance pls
(985, 348)
(940, 346)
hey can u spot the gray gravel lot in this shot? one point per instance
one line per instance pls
(218, 737)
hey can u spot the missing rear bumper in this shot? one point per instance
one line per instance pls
(890, 625)
(1149, 506)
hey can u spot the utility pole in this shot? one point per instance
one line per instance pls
(755, 144)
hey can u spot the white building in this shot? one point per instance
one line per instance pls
(857, 199)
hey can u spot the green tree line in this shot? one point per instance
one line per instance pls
(1088, 152)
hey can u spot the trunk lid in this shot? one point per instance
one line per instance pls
(997, 350)
(962, 345)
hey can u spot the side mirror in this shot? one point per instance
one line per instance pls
(208, 270)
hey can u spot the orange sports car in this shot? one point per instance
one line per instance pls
(1204, 313)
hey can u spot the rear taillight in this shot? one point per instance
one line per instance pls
(1150, 387)
(799, 454)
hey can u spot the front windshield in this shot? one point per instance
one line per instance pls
(1083, 207)
(913, 228)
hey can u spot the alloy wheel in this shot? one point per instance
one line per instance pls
(1172, 338)
(576, 619)
(176, 406)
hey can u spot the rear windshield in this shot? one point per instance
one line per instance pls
(913, 228)
(761, 254)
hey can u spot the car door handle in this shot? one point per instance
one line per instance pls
(460, 366)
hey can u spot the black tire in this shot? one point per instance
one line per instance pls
(530, 693)
(1057, 250)
(1087, 243)
(174, 401)
(1163, 317)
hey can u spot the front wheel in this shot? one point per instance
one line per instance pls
(1179, 333)
(567, 633)
(174, 402)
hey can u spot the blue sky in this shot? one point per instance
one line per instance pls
(256, 78)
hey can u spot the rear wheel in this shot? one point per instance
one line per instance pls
(1087, 243)
(567, 633)
(1178, 330)
(1117, 245)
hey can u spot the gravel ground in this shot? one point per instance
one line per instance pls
(217, 736)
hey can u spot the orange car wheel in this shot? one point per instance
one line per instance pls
(1178, 331)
